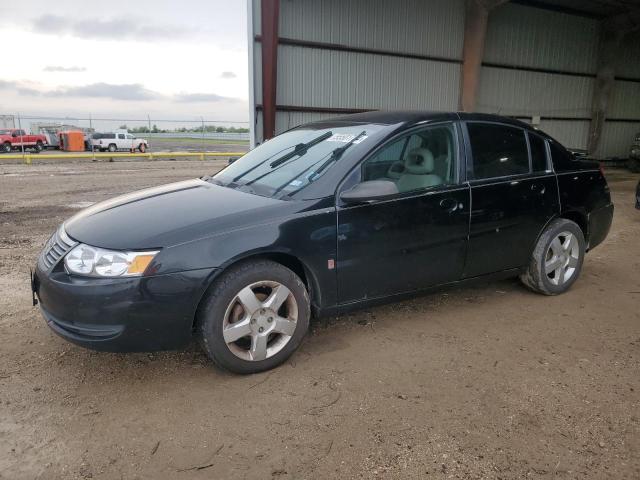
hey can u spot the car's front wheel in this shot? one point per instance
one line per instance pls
(254, 317)
(557, 259)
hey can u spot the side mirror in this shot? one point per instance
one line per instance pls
(369, 191)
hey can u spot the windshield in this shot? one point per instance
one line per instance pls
(289, 162)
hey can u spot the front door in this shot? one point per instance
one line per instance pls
(417, 238)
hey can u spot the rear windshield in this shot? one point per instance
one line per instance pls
(289, 162)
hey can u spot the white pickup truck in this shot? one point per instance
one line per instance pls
(113, 142)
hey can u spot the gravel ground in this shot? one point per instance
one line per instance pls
(490, 381)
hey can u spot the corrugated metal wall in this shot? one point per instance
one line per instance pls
(521, 36)
(617, 138)
(522, 93)
(432, 27)
(537, 62)
(333, 79)
(321, 78)
(532, 37)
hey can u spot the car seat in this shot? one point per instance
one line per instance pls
(418, 172)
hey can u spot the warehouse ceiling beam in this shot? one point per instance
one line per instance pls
(614, 32)
(270, 18)
(475, 32)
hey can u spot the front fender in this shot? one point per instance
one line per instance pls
(309, 236)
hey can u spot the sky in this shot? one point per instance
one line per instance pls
(163, 59)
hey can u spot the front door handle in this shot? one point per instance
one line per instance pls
(450, 204)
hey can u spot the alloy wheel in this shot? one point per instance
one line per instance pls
(260, 320)
(562, 258)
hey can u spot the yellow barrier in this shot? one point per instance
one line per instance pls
(27, 157)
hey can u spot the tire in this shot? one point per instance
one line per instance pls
(112, 147)
(221, 310)
(6, 147)
(39, 146)
(142, 147)
(561, 245)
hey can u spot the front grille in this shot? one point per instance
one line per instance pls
(56, 247)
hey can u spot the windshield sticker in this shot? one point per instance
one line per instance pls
(341, 137)
(345, 138)
(296, 183)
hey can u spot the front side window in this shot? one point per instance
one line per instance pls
(421, 159)
(121, 135)
(498, 150)
(289, 162)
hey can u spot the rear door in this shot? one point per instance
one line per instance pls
(130, 139)
(416, 239)
(121, 141)
(513, 195)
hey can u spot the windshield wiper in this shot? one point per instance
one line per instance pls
(338, 152)
(300, 149)
(334, 156)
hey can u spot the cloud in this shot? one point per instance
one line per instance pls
(59, 68)
(228, 75)
(202, 97)
(126, 92)
(130, 91)
(117, 28)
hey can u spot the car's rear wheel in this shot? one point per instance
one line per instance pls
(39, 146)
(557, 259)
(254, 317)
(6, 147)
(112, 147)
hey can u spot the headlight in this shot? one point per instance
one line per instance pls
(97, 262)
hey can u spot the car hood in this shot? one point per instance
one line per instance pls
(169, 215)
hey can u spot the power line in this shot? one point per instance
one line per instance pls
(97, 119)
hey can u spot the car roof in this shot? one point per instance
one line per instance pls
(410, 117)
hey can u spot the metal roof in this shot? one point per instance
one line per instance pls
(590, 8)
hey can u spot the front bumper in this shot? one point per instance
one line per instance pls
(122, 314)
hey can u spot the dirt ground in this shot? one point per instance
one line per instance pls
(490, 381)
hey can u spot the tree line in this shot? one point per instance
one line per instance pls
(199, 129)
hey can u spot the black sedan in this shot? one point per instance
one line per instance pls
(326, 217)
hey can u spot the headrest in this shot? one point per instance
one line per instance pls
(419, 161)
(395, 170)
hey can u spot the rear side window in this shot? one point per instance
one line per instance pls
(498, 150)
(538, 153)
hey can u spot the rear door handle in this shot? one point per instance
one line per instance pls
(536, 187)
(450, 204)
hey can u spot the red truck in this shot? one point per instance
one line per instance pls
(14, 138)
